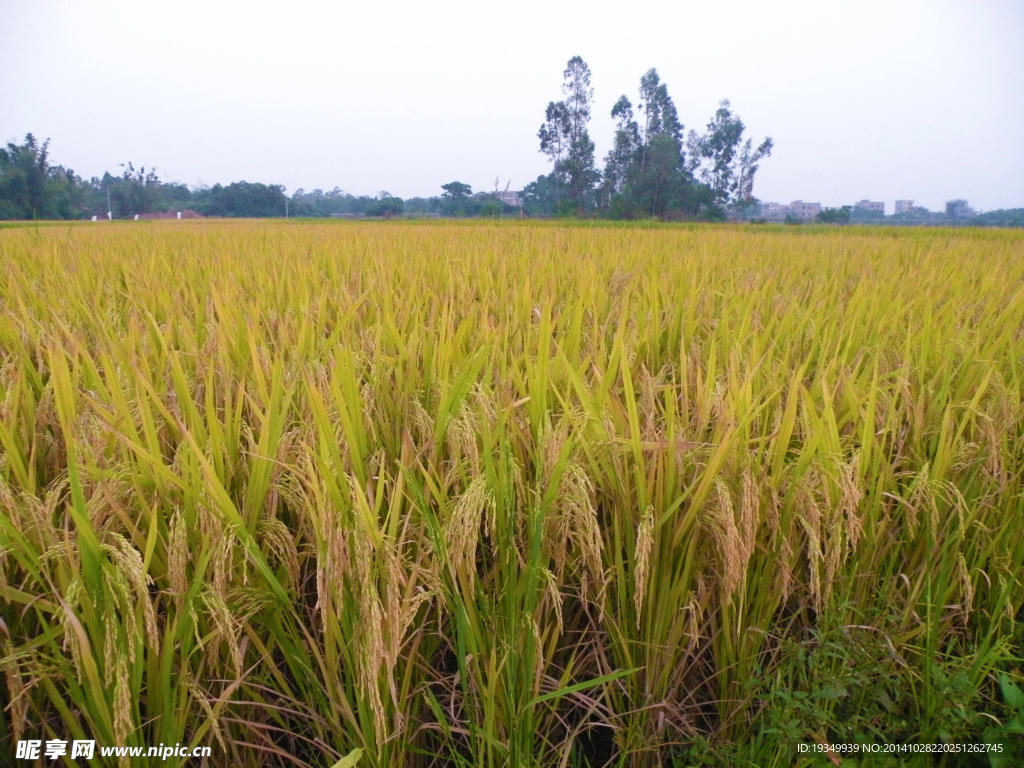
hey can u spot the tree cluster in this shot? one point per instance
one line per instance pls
(32, 188)
(1003, 217)
(834, 215)
(339, 202)
(650, 171)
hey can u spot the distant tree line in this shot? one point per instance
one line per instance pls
(32, 188)
(1005, 217)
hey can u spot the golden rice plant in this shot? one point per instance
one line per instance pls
(507, 494)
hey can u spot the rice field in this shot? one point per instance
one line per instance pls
(512, 494)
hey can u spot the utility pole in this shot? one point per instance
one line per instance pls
(286, 207)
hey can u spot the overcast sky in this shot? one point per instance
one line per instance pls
(880, 100)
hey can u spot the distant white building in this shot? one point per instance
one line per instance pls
(508, 197)
(868, 205)
(798, 209)
(904, 206)
(959, 209)
(804, 211)
(773, 211)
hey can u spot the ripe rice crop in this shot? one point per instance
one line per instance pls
(509, 494)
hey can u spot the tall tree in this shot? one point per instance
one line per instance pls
(625, 147)
(660, 116)
(564, 136)
(24, 176)
(724, 161)
(749, 163)
(553, 134)
(659, 182)
(580, 161)
(32, 188)
(644, 172)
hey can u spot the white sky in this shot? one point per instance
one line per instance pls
(919, 99)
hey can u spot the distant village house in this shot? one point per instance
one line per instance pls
(797, 209)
